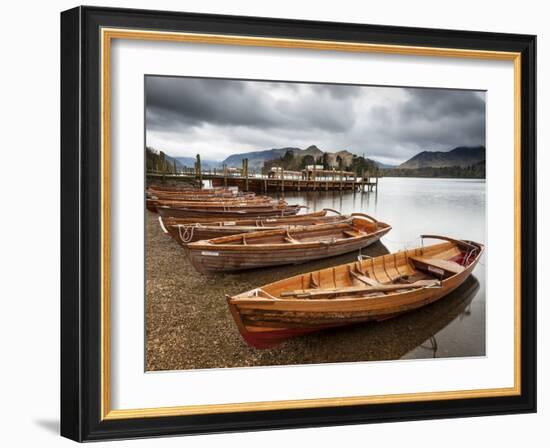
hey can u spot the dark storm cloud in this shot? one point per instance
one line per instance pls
(221, 117)
(433, 104)
(193, 101)
(184, 102)
(433, 119)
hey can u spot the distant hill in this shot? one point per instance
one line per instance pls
(475, 171)
(462, 156)
(295, 159)
(189, 162)
(256, 159)
(383, 166)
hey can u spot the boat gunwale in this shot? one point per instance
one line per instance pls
(211, 244)
(191, 221)
(259, 300)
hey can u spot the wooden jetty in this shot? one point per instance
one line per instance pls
(276, 180)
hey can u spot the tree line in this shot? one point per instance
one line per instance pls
(292, 162)
(159, 162)
(476, 171)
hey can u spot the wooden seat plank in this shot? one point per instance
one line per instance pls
(445, 265)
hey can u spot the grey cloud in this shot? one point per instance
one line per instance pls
(228, 116)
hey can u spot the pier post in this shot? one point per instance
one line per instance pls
(163, 166)
(314, 175)
(198, 170)
(245, 172)
(225, 175)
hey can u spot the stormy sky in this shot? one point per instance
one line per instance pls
(217, 118)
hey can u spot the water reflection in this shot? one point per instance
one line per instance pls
(412, 335)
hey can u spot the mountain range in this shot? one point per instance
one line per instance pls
(462, 156)
(189, 162)
(256, 159)
(459, 157)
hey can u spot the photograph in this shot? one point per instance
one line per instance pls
(293, 223)
(271, 223)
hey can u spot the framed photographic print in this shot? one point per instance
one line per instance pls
(274, 223)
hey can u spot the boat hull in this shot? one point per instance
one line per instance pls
(197, 213)
(154, 204)
(266, 323)
(189, 233)
(218, 259)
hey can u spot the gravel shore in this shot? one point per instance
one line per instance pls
(189, 326)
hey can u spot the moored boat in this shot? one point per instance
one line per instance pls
(170, 220)
(284, 246)
(262, 201)
(228, 212)
(369, 289)
(189, 189)
(188, 232)
(206, 198)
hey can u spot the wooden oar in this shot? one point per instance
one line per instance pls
(315, 293)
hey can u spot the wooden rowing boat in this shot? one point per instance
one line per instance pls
(206, 197)
(189, 232)
(369, 289)
(170, 220)
(153, 204)
(188, 189)
(284, 246)
(199, 214)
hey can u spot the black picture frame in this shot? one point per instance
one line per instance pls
(81, 226)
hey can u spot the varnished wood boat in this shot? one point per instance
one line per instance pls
(262, 201)
(284, 246)
(189, 189)
(170, 220)
(199, 214)
(369, 289)
(189, 232)
(206, 197)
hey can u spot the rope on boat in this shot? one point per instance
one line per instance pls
(188, 232)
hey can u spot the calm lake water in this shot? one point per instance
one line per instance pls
(451, 327)
(454, 326)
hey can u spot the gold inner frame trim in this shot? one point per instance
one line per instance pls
(107, 35)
